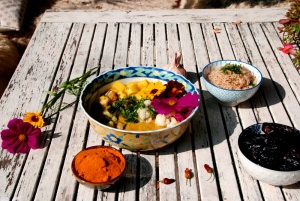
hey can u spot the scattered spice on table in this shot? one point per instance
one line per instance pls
(167, 181)
(208, 170)
(187, 175)
(99, 164)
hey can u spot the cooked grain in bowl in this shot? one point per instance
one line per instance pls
(232, 76)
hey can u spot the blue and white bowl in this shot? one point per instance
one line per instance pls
(134, 140)
(228, 97)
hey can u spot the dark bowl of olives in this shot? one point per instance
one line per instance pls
(270, 153)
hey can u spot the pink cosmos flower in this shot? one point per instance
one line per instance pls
(185, 105)
(179, 108)
(286, 48)
(20, 136)
(164, 105)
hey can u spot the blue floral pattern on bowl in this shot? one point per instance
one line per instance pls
(229, 97)
(134, 140)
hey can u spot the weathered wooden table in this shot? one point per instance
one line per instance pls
(67, 43)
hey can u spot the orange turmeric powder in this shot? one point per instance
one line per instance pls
(99, 164)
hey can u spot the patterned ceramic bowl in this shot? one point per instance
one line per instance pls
(229, 97)
(103, 157)
(269, 152)
(134, 140)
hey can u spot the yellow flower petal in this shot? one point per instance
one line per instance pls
(34, 119)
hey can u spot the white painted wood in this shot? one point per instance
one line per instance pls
(178, 15)
(148, 45)
(127, 192)
(122, 45)
(166, 154)
(147, 169)
(41, 67)
(289, 100)
(225, 170)
(160, 45)
(107, 59)
(93, 139)
(269, 192)
(209, 190)
(248, 185)
(188, 191)
(134, 53)
(67, 183)
(51, 168)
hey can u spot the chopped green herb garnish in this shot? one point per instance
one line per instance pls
(232, 67)
(128, 107)
(252, 84)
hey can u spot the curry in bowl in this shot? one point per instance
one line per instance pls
(144, 105)
(167, 106)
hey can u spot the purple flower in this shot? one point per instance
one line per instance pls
(179, 108)
(185, 105)
(20, 136)
(164, 105)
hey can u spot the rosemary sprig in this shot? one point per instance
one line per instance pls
(73, 87)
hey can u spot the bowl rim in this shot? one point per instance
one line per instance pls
(131, 131)
(230, 61)
(97, 183)
(254, 163)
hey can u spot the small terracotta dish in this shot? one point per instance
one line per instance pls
(98, 167)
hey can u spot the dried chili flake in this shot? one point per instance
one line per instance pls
(208, 170)
(237, 22)
(167, 181)
(187, 175)
(217, 30)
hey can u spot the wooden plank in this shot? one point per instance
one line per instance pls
(127, 189)
(281, 84)
(181, 15)
(147, 169)
(290, 72)
(269, 192)
(172, 40)
(208, 191)
(225, 169)
(84, 193)
(67, 183)
(166, 162)
(160, 45)
(107, 59)
(189, 190)
(122, 45)
(51, 169)
(135, 45)
(129, 180)
(248, 185)
(20, 89)
(148, 45)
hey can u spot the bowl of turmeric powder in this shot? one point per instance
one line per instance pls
(98, 167)
(139, 108)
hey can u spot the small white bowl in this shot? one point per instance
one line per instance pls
(263, 174)
(228, 97)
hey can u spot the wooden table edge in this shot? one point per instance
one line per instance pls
(174, 15)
